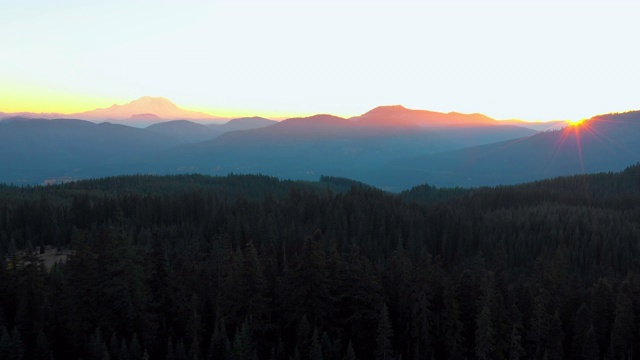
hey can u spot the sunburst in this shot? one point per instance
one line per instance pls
(576, 122)
(578, 129)
(572, 131)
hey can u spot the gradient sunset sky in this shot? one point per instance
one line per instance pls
(533, 60)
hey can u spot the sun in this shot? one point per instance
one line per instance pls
(576, 122)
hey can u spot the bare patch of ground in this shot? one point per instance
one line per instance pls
(52, 255)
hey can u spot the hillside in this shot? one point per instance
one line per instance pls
(32, 150)
(246, 123)
(603, 143)
(186, 131)
(305, 148)
(331, 267)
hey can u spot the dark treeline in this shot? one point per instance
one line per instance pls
(251, 267)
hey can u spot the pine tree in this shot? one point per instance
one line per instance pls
(5, 343)
(180, 353)
(194, 349)
(303, 336)
(351, 354)
(243, 346)
(123, 354)
(308, 284)
(555, 339)
(296, 354)
(582, 326)
(603, 306)
(330, 349)
(421, 303)
(516, 351)
(452, 327)
(96, 346)
(114, 346)
(170, 352)
(315, 350)
(134, 348)
(11, 346)
(590, 349)
(384, 333)
(485, 339)
(193, 329)
(624, 328)
(42, 350)
(219, 345)
(540, 323)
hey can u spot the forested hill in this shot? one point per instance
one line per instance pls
(252, 267)
(602, 190)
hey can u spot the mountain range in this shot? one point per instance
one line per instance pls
(149, 110)
(391, 147)
(305, 148)
(33, 150)
(141, 112)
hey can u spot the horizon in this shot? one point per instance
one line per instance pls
(528, 60)
(214, 117)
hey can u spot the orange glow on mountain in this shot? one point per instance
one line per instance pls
(399, 116)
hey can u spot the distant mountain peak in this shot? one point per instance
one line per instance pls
(386, 109)
(154, 101)
(400, 116)
(390, 107)
(143, 109)
(148, 102)
(318, 119)
(154, 98)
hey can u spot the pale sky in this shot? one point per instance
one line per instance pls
(533, 60)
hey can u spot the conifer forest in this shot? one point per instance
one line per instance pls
(252, 267)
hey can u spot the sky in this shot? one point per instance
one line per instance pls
(531, 60)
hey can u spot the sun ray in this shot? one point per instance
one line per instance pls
(610, 144)
(472, 160)
(579, 145)
(553, 152)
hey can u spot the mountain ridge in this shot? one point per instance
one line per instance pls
(398, 115)
(167, 110)
(391, 147)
